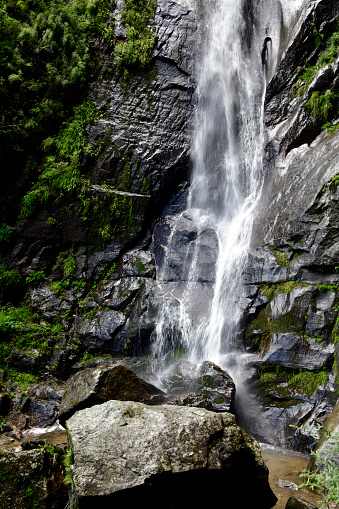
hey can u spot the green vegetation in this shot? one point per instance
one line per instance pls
(61, 170)
(36, 277)
(320, 105)
(307, 382)
(23, 330)
(327, 56)
(5, 232)
(281, 257)
(48, 51)
(328, 288)
(272, 290)
(68, 460)
(335, 330)
(10, 279)
(45, 55)
(301, 382)
(136, 51)
(21, 380)
(326, 479)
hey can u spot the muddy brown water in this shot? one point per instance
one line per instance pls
(287, 465)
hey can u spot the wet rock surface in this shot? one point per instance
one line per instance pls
(299, 503)
(93, 386)
(33, 479)
(292, 351)
(206, 380)
(190, 451)
(294, 251)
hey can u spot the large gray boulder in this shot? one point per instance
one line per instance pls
(164, 457)
(97, 385)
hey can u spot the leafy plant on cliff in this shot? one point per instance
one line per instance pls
(68, 460)
(61, 168)
(320, 105)
(5, 232)
(327, 56)
(136, 50)
(44, 61)
(24, 330)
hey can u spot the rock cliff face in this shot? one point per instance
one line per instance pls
(292, 319)
(94, 274)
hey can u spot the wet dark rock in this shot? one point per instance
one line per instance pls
(96, 385)
(34, 478)
(138, 263)
(282, 407)
(38, 409)
(187, 454)
(192, 399)
(186, 241)
(119, 293)
(298, 503)
(321, 315)
(97, 334)
(28, 361)
(136, 334)
(43, 413)
(32, 444)
(206, 379)
(303, 48)
(294, 351)
(45, 300)
(4, 404)
(150, 122)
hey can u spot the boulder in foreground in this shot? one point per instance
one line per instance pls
(164, 457)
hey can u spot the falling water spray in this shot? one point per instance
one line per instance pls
(227, 179)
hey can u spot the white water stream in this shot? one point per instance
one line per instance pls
(226, 186)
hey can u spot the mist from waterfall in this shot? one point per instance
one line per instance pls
(226, 184)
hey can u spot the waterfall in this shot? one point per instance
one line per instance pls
(201, 307)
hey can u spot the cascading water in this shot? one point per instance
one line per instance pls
(225, 189)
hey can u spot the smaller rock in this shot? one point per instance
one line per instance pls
(15, 434)
(192, 399)
(93, 386)
(33, 478)
(138, 263)
(24, 361)
(298, 503)
(96, 333)
(207, 379)
(4, 404)
(43, 413)
(297, 352)
(287, 484)
(32, 444)
(5, 428)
